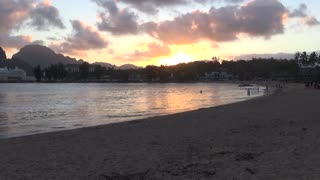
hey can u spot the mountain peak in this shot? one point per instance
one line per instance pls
(3, 55)
(43, 56)
(129, 66)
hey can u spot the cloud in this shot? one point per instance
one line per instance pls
(153, 50)
(13, 15)
(258, 18)
(84, 38)
(38, 42)
(301, 12)
(12, 41)
(115, 20)
(44, 15)
(152, 6)
(310, 21)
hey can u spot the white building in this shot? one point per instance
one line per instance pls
(12, 74)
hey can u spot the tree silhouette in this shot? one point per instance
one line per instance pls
(37, 73)
(98, 71)
(313, 57)
(61, 71)
(304, 58)
(84, 70)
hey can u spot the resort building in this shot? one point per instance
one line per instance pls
(12, 75)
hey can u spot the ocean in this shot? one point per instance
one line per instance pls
(27, 109)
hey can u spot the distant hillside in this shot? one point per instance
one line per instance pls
(123, 67)
(129, 66)
(104, 64)
(275, 56)
(3, 55)
(43, 56)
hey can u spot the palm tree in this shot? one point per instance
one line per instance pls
(313, 58)
(304, 58)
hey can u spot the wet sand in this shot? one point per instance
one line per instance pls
(273, 137)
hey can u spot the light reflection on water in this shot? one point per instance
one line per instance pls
(36, 108)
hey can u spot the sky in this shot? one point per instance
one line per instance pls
(167, 32)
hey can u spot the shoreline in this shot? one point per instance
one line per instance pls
(267, 137)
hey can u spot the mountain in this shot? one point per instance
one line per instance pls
(40, 55)
(129, 66)
(13, 63)
(43, 56)
(3, 55)
(104, 64)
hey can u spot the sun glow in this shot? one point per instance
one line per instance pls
(176, 59)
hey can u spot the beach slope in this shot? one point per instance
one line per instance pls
(273, 137)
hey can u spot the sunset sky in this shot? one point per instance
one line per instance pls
(158, 32)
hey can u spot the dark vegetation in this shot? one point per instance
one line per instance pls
(48, 66)
(256, 69)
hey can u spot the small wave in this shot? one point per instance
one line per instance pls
(34, 132)
(58, 127)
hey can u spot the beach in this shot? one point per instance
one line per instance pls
(270, 137)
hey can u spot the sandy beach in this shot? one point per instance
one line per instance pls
(273, 137)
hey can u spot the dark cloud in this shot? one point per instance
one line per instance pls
(83, 38)
(44, 16)
(115, 20)
(151, 6)
(12, 41)
(257, 18)
(13, 13)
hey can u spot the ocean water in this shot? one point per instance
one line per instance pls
(38, 108)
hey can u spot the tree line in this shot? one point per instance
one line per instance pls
(297, 69)
(307, 60)
(309, 66)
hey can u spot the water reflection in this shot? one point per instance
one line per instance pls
(33, 108)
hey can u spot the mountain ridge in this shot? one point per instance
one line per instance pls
(44, 56)
(3, 55)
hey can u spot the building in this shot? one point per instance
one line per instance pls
(72, 68)
(75, 68)
(137, 77)
(13, 75)
(218, 76)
